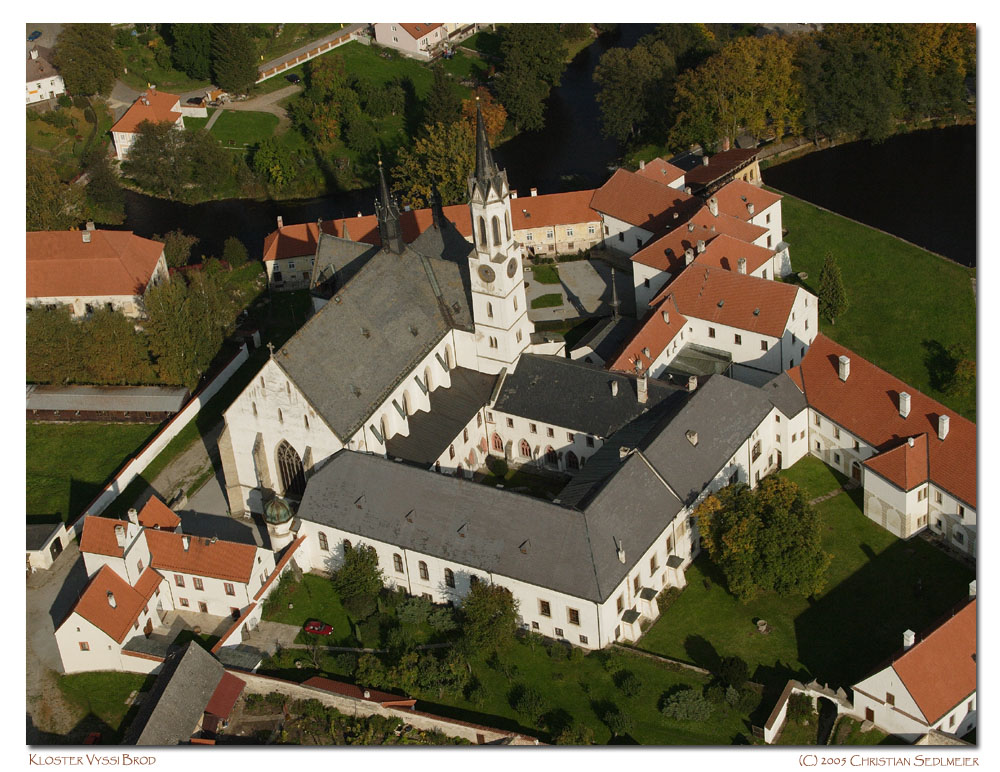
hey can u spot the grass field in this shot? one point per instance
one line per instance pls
(101, 696)
(240, 128)
(67, 465)
(545, 274)
(547, 301)
(907, 306)
(873, 577)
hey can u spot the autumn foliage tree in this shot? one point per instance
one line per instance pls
(494, 114)
(444, 157)
(766, 539)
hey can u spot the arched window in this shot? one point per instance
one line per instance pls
(489, 310)
(347, 544)
(407, 405)
(551, 457)
(254, 406)
(497, 442)
(281, 418)
(293, 479)
(506, 217)
(496, 231)
(493, 342)
(571, 460)
(451, 451)
(482, 232)
(306, 419)
(422, 567)
(323, 543)
(449, 577)
(525, 449)
(397, 563)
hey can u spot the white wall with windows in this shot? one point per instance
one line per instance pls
(523, 441)
(622, 236)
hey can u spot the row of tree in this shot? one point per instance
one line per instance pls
(179, 164)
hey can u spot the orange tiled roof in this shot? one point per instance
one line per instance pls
(904, 464)
(159, 110)
(94, 605)
(724, 252)
(98, 536)
(867, 405)
(220, 559)
(667, 252)
(156, 514)
(225, 695)
(654, 335)
(940, 671)
(734, 197)
(661, 171)
(417, 31)
(640, 201)
(552, 209)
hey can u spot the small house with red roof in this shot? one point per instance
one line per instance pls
(929, 685)
(153, 106)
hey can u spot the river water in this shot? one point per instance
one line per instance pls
(919, 186)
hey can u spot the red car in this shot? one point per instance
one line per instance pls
(318, 628)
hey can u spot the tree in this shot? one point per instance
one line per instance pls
(155, 160)
(358, 580)
(445, 158)
(523, 95)
(764, 540)
(494, 114)
(734, 671)
(234, 253)
(53, 341)
(104, 194)
(86, 57)
(618, 721)
(191, 51)
(177, 247)
(832, 295)
(577, 31)
(443, 104)
(115, 354)
(50, 205)
(963, 379)
(360, 135)
(234, 58)
(633, 85)
(687, 705)
(489, 617)
(528, 703)
(273, 163)
(532, 61)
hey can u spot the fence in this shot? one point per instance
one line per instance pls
(776, 721)
(152, 449)
(297, 58)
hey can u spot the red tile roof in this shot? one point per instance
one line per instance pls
(939, 672)
(724, 252)
(298, 240)
(641, 202)
(736, 300)
(702, 226)
(219, 559)
(661, 171)
(94, 605)
(159, 109)
(417, 31)
(552, 209)
(225, 695)
(905, 465)
(156, 514)
(61, 264)
(654, 334)
(98, 536)
(718, 166)
(734, 197)
(350, 690)
(867, 405)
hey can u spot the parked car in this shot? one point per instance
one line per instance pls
(316, 627)
(35, 35)
(293, 78)
(196, 101)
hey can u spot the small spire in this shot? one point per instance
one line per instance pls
(387, 211)
(485, 166)
(270, 347)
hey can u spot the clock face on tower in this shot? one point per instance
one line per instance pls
(486, 273)
(512, 267)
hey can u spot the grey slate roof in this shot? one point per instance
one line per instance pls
(451, 409)
(724, 413)
(350, 355)
(575, 394)
(445, 242)
(608, 336)
(337, 261)
(136, 399)
(565, 549)
(38, 533)
(177, 701)
(785, 395)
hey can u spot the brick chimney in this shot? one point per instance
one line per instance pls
(741, 265)
(943, 426)
(844, 367)
(904, 404)
(713, 206)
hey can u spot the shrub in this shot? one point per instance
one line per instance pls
(414, 611)
(687, 705)
(746, 701)
(628, 682)
(64, 100)
(557, 651)
(57, 118)
(666, 598)
(799, 706)
(715, 693)
(476, 693)
(442, 620)
(619, 722)
(733, 671)
(528, 703)
(80, 101)
(576, 654)
(346, 662)
(497, 466)
(613, 661)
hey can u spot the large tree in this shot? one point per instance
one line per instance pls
(358, 580)
(444, 158)
(105, 197)
(634, 86)
(115, 352)
(489, 618)
(177, 247)
(177, 164)
(53, 342)
(443, 104)
(191, 52)
(764, 539)
(832, 295)
(87, 59)
(50, 204)
(532, 61)
(234, 57)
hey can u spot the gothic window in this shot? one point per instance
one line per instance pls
(496, 231)
(571, 460)
(489, 310)
(497, 442)
(482, 232)
(449, 577)
(506, 217)
(293, 479)
(551, 457)
(525, 449)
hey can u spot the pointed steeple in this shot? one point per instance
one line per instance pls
(387, 211)
(485, 165)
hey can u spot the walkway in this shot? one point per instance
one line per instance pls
(850, 485)
(308, 51)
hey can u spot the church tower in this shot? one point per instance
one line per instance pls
(387, 212)
(500, 309)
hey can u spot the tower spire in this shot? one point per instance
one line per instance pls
(486, 167)
(387, 211)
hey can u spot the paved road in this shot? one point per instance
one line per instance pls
(49, 34)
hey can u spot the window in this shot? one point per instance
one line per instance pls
(178, 580)
(755, 452)
(583, 639)
(550, 432)
(422, 566)
(230, 590)
(670, 544)
(767, 219)
(549, 233)
(569, 231)
(817, 447)
(816, 420)
(465, 435)
(951, 720)
(635, 583)
(961, 512)
(489, 310)
(449, 577)
(645, 283)
(621, 237)
(397, 563)
(198, 584)
(620, 603)
(184, 602)
(921, 521)
(836, 460)
(890, 698)
(857, 445)
(960, 537)
(525, 449)
(807, 324)
(653, 565)
(254, 406)
(711, 332)
(544, 609)
(138, 567)
(618, 632)
(518, 335)
(533, 428)
(510, 423)
(534, 626)
(921, 494)
(479, 419)
(590, 441)
(738, 339)
(515, 302)
(84, 646)
(323, 544)
(306, 419)
(768, 246)
(937, 497)
(574, 616)
(497, 443)
(569, 437)
(202, 607)
(281, 418)
(559, 632)
(763, 345)
(937, 523)
(591, 230)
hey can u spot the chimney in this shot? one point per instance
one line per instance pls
(701, 246)
(534, 191)
(688, 256)
(186, 541)
(621, 551)
(704, 160)
(909, 638)
(943, 422)
(614, 388)
(642, 165)
(844, 367)
(692, 382)
(642, 388)
(120, 535)
(687, 189)
(910, 441)
(741, 265)
(904, 404)
(972, 589)
(690, 227)
(111, 600)
(750, 208)
(34, 53)
(692, 436)
(86, 237)
(513, 194)
(713, 206)
(133, 516)
(623, 452)
(281, 221)
(666, 317)
(90, 225)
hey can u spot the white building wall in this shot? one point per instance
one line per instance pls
(648, 282)
(46, 88)
(904, 718)
(104, 653)
(952, 518)
(622, 236)
(563, 440)
(559, 239)
(769, 218)
(295, 272)
(465, 452)
(889, 506)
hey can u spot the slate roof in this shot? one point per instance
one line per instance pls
(40, 68)
(337, 261)
(135, 399)
(718, 166)
(451, 410)
(176, 703)
(351, 354)
(574, 394)
(724, 413)
(36, 534)
(608, 336)
(785, 395)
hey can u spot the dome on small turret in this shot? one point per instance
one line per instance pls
(278, 511)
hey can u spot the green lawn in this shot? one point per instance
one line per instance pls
(536, 484)
(838, 637)
(312, 598)
(101, 695)
(465, 67)
(847, 731)
(67, 465)
(547, 301)
(240, 128)
(907, 306)
(803, 731)
(814, 477)
(193, 124)
(545, 274)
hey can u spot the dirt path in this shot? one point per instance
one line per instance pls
(267, 103)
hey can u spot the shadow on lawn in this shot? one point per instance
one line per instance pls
(847, 633)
